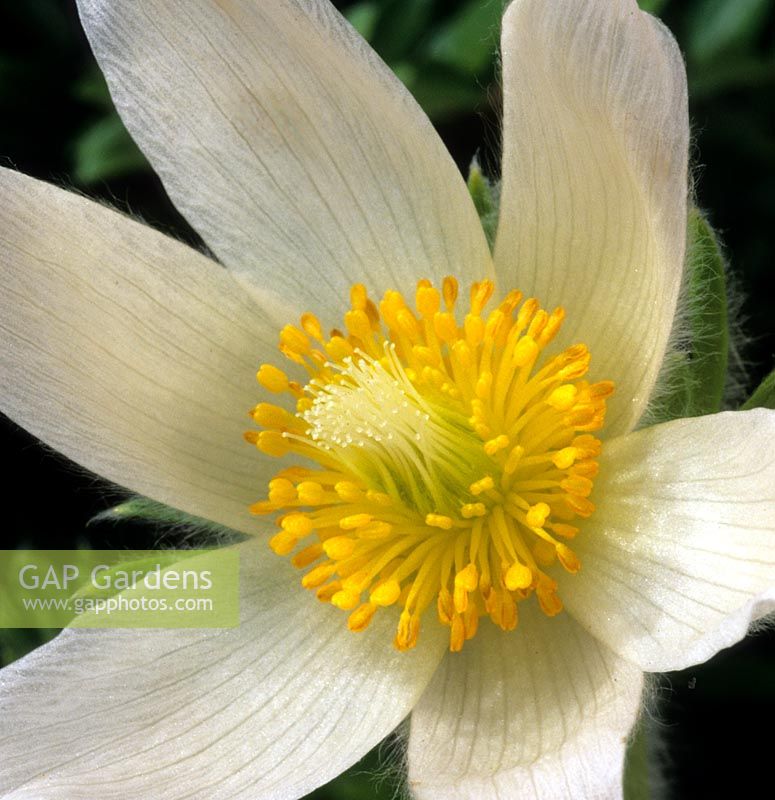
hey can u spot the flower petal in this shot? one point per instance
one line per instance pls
(302, 161)
(593, 213)
(129, 352)
(541, 712)
(679, 557)
(265, 711)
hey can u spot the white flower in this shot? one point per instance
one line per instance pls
(306, 167)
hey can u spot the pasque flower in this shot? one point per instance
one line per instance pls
(464, 476)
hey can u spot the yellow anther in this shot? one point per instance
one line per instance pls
(482, 485)
(325, 593)
(358, 297)
(407, 324)
(563, 397)
(317, 576)
(281, 491)
(537, 514)
(588, 469)
(427, 300)
(358, 324)
(544, 553)
(445, 326)
(310, 493)
(272, 379)
(514, 457)
(445, 606)
(483, 385)
(339, 547)
(273, 443)
(271, 416)
(438, 521)
(563, 459)
(566, 531)
(386, 593)
(467, 578)
(307, 556)
(338, 348)
(529, 308)
(494, 326)
(471, 510)
(348, 491)
(295, 340)
(262, 507)
(298, 524)
(553, 325)
(480, 295)
(449, 289)
(360, 618)
(548, 599)
(375, 530)
(537, 324)
(495, 445)
(578, 485)
(408, 631)
(311, 326)
(580, 505)
(568, 558)
(457, 634)
(380, 498)
(518, 576)
(602, 389)
(525, 351)
(345, 599)
(283, 542)
(354, 521)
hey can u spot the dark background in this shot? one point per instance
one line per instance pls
(57, 123)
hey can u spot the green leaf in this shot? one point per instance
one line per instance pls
(143, 509)
(363, 17)
(105, 151)
(636, 766)
(469, 40)
(652, 6)
(764, 396)
(719, 26)
(486, 200)
(440, 90)
(693, 379)
(708, 320)
(401, 26)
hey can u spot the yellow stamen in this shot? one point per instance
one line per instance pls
(452, 453)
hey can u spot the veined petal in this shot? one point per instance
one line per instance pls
(129, 352)
(543, 712)
(593, 212)
(292, 149)
(265, 711)
(679, 557)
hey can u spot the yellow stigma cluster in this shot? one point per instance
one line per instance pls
(445, 457)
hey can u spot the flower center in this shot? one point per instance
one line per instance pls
(446, 458)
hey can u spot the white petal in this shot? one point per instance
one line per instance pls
(265, 711)
(542, 712)
(679, 557)
(593, 213)
(129, 352)
(301, 160)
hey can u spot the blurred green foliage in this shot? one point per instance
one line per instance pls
(59, 123)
